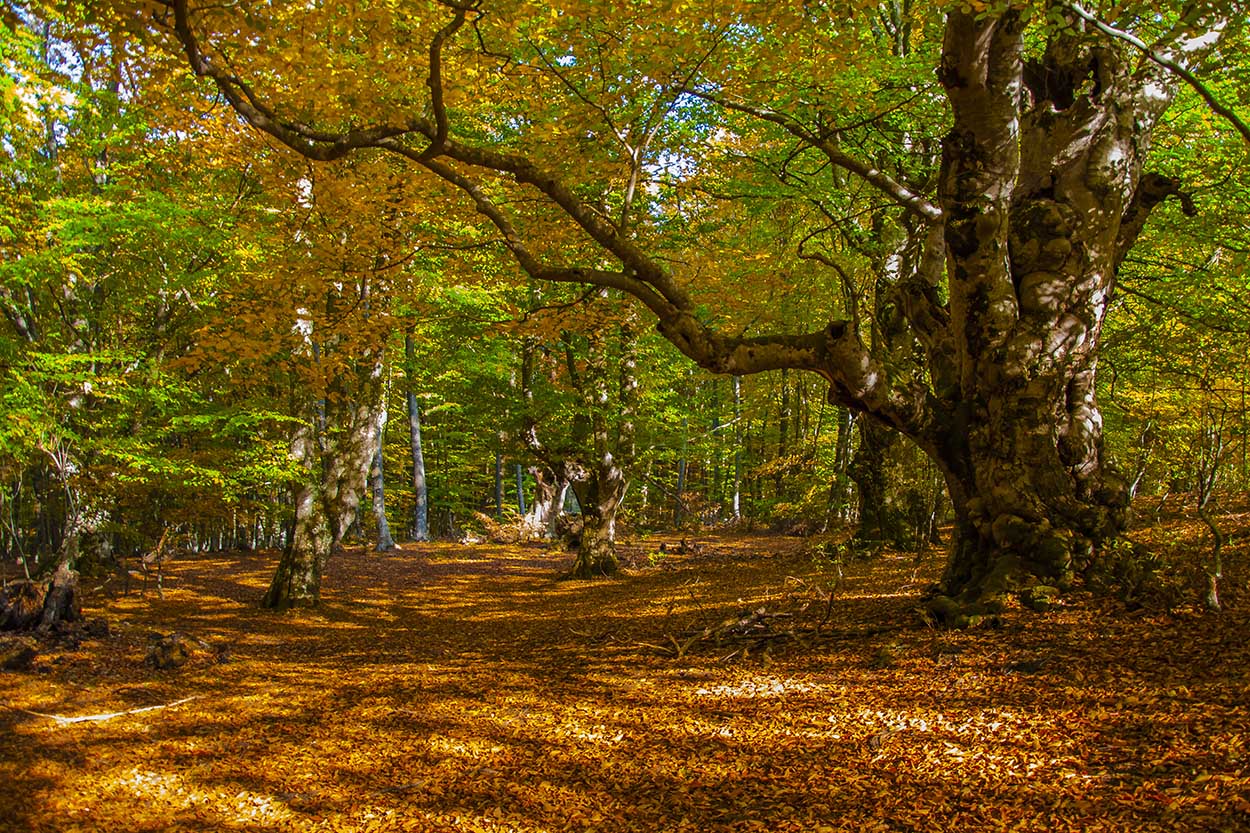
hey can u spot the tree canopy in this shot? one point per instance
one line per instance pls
(975, 225)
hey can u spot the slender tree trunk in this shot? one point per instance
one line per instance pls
(679, 500)
(421, 506)
(557, 468)
(520, 489)
(840, 485)
(736, 500)
(498, 484)
(378, 486)
(716, 493)
(1211, 448)
(783, 440)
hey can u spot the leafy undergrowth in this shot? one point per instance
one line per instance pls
(452, 688)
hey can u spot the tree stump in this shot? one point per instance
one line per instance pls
(61, 604)
(21, 605)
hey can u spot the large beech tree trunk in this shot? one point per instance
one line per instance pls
(1032, 506)
(325, 503)
(600, 496)
(559, 466)
(1043, 194)
(336, 459)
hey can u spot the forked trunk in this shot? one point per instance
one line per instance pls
(600, 498)
(541, 512)
(603, 490)
(350, 445)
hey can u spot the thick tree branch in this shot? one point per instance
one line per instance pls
(435, 82)
(1172, 65)
(601, 231)
(836, 352)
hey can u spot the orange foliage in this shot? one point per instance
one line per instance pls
(453, 688)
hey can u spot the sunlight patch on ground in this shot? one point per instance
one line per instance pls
(169, 794)
(757, 687)
(868, 597)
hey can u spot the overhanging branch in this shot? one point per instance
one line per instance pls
(835, 352)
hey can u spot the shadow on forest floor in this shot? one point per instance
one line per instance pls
(455, 688)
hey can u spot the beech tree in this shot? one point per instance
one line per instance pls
(577, 135)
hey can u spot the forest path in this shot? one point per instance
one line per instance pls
(457, 688)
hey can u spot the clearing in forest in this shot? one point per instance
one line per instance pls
(454, 688)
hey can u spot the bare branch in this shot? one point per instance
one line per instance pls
(435, 82)
(62, 720)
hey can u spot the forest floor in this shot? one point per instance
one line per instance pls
(465, 688)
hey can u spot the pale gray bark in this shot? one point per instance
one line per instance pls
(520, 489)
(736, 499)
(421, 501)
(377, 486)
(602, 491)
